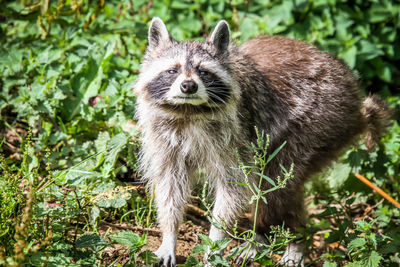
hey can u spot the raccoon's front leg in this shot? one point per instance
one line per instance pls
(230, 201)
(171, 193)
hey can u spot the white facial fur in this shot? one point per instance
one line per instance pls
(152, 70)
(176, 96)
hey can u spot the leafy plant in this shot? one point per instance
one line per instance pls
(279, 238)
(68, 138)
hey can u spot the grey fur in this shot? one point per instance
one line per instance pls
(289, 89)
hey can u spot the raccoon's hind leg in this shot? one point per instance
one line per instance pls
(293, 256)
(285, 207)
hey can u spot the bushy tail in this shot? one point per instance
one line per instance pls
(377, 116)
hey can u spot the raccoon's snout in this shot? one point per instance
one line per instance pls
(189, 87)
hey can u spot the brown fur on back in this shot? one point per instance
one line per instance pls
(315, 104)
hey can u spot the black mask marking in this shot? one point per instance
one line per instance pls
(160, 85)
(217, 90)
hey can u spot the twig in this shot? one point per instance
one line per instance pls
(153, 231)
(195, 210)
(133, 228)
(200, 212)
(371, 208)
(377, 189)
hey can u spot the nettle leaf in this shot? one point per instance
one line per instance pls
(349, 55)
(328, 263)
(339, 174)
(364, 226)
(200, 249)
(127, 238)
(206, 240)
(222, 243)
(88, 82)
(101, 146)
(378, 13)
(329, 211)
(149, 257)
(355, 264)
(115, 203)
(75, 177)
(249, 28)
(373, 259)
(49, 55)
(368, 50)
(193, 262)
(356, 243)
(218, 260)
(114, 147)
(90, 241)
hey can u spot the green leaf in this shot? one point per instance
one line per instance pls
(368, 50)
(149, 257)
(222, 243)
(328, 263)
(275, 152)
(200, 249)
(339, 175)
(115, 203)
(88, 82)
(206, 240)
(126, 238)
(356, 243)
(373, 259)
(355, 264)
(248, 28)
(378, 13)
(193, 262)
(90, 240)
(265, 177)
(349, 55)
(218, 260)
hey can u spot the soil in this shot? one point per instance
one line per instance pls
(195, 224)
(187, 240)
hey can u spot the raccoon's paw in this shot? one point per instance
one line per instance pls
(293, 256)
(208, 255)
(247, 254)
(167, 258)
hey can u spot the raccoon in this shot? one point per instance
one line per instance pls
(198, 103)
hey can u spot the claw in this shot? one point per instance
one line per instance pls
(165, 262)
(293, 256)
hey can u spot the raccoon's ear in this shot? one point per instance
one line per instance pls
(158, 33)
(220, 37)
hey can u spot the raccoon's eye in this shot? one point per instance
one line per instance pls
(203, 72)
(172, 71)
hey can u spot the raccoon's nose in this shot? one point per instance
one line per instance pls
(188, 87)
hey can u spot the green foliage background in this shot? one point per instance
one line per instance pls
(67, 69)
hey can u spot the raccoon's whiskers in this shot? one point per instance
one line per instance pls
(215, 96)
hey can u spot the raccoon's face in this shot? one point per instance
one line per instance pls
(186, 76)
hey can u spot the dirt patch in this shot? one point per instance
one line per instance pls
(196, 223)
(187, 240)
